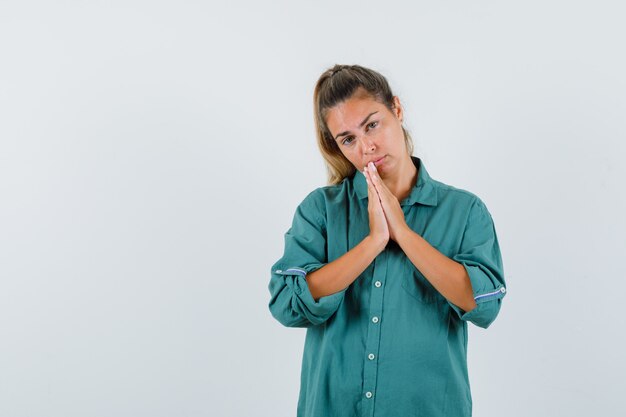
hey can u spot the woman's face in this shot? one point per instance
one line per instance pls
(366, 131)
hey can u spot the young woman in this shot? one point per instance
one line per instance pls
(384, 266)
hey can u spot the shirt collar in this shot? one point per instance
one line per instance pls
(424, 191)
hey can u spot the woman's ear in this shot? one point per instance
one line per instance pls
(397, 108)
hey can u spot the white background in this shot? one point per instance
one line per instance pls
(153, 153)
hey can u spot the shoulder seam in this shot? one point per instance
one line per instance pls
(320, 222)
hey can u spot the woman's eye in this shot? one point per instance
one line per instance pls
(345, 141)
(372, 125)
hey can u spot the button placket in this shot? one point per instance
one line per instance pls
(370, 371)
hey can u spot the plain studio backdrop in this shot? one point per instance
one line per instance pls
(153, 153)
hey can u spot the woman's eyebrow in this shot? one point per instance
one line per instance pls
(360, 125)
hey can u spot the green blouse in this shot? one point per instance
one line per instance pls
(389, 344)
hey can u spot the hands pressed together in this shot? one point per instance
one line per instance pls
(386, 217)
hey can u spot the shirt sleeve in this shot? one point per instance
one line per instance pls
(305, 251)
(480, 255)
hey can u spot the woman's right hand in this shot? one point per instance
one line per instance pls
(379, 230)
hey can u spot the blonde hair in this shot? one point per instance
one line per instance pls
(334, 86)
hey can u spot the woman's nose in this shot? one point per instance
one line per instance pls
(368, 145)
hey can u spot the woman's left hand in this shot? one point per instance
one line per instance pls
(391, 205)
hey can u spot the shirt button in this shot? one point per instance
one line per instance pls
(368, 394)
(502, 290)
(371, 356)
(278, 271)
(378, 284)
(375, 319)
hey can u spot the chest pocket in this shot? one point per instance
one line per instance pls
(416, 284)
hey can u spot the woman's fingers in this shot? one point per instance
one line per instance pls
(371, 188)
(377, 184)
(390, 204)
(376, 180)
(377, 221)
(372, 194)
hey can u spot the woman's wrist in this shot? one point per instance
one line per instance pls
(377, 242)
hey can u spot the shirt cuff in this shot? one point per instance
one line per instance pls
(486, 295)
(318, 311)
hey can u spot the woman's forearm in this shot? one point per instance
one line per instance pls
(340, 273)
(446, 275)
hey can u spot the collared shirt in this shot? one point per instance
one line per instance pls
(389, 344)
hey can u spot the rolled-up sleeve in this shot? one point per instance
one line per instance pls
(480, 255)
(305, 251)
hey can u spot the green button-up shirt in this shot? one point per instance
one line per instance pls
(389, 344)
